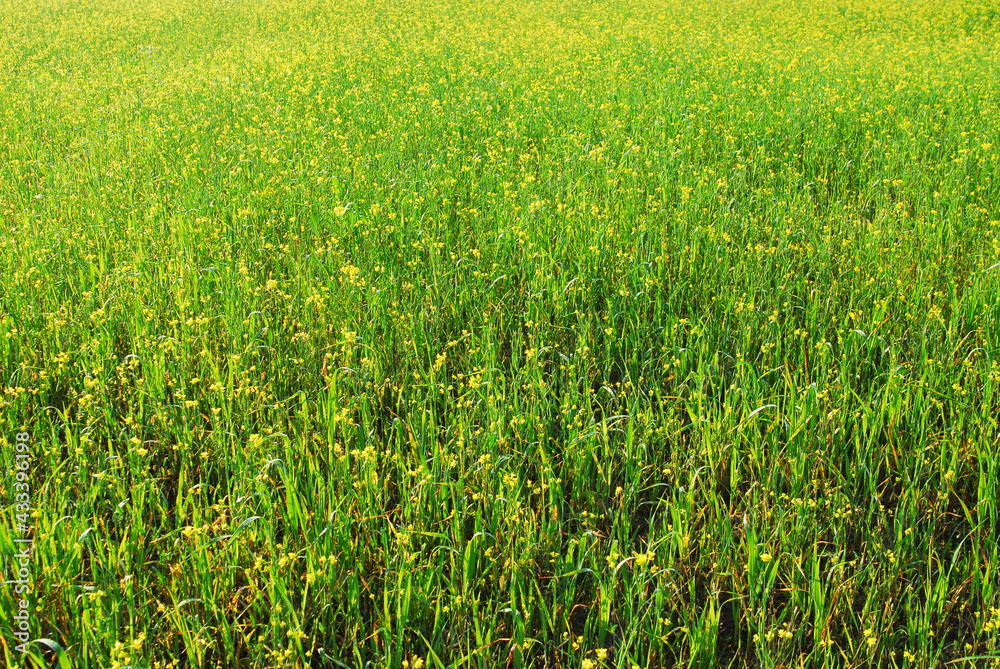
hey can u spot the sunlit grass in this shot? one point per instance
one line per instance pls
(549, 334)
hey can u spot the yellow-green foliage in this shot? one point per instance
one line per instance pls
(484, 334)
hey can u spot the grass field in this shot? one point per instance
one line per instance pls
(501, 334)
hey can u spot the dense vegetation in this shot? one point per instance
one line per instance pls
(503, 334)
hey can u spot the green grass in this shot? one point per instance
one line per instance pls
(552, 334)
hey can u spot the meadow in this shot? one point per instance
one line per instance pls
(477, 334)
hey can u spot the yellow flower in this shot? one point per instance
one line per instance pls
(440, 361)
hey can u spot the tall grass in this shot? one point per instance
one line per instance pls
(550, 334)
